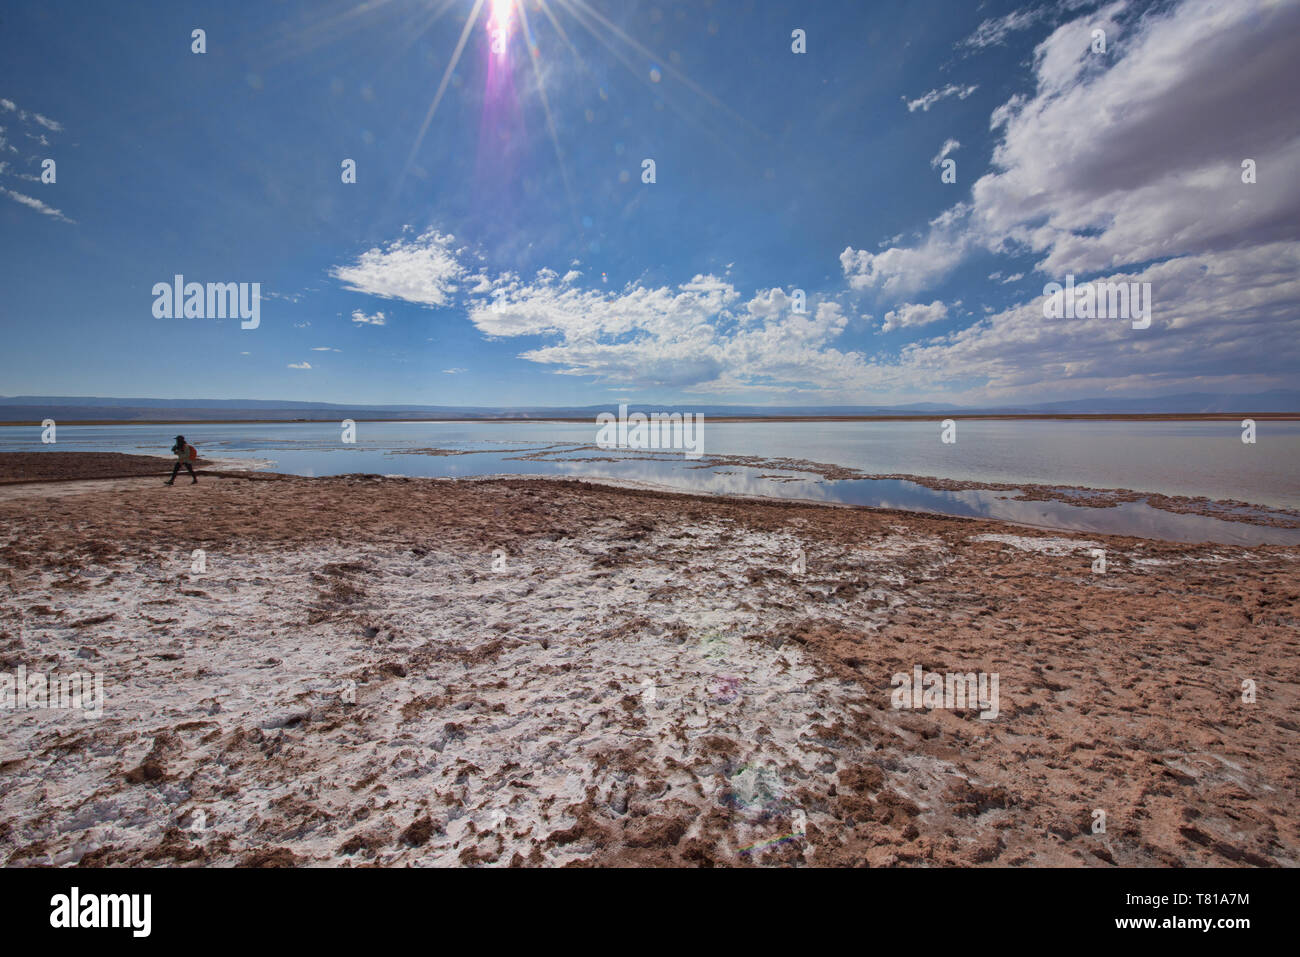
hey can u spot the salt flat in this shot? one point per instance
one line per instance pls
(532, 672)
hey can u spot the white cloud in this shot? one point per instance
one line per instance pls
(325, 349)
(424, 270)
(453, 371)
(1103, 167)
(768, 305)
(900, 271)
(12, 107)
(299, 365)
(994, 30)
(8, 170)
(1124, 167)
(360, 318)
(36, 204)
(949, 145)
(698, 336)
(927, 100)
(1232, 311)
(1141, 180)
(914, 314)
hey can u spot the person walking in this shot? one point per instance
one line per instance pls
(186, 455)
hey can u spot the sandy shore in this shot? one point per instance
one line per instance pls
(27, 467)
(535, 672)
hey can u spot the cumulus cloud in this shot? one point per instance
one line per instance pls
(1127, 166)
(699, 336)
(1101, 167)
(360, 318)
(927, 100)
(1232, 311)
(299, 365)
(767, 305)
(914, 314)
(1140, 180)
(1117, 167)
(424, 270)
(900, 271)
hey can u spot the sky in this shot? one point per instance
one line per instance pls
(501, 244)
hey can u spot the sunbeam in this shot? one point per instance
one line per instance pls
(534, 56)
(442, 88)
(651, 55)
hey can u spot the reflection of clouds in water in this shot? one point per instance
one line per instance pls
(1108, 453)
(1104, 453)
(1130, 518)
(1126, 518)
(734, 481)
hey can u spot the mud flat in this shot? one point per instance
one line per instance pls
(543, 672)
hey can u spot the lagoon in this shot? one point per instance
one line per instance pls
(1183, 458)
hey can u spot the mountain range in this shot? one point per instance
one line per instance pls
(24, 408)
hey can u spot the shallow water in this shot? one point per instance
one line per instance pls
(1174, 458)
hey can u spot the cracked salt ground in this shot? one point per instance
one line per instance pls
(351, 682)
(1040, 545)
(508, 734)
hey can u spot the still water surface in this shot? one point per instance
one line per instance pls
(1175, 458)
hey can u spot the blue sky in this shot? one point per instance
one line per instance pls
(503, 257)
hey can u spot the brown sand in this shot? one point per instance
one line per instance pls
(16, 467)
(648, 679)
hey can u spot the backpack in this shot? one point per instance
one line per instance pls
(191, 453)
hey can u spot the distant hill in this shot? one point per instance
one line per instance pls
(65, 408)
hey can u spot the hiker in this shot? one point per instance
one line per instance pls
(185, 455)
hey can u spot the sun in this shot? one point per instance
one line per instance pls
(500, 20)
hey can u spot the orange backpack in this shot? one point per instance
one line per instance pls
(191, 453)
